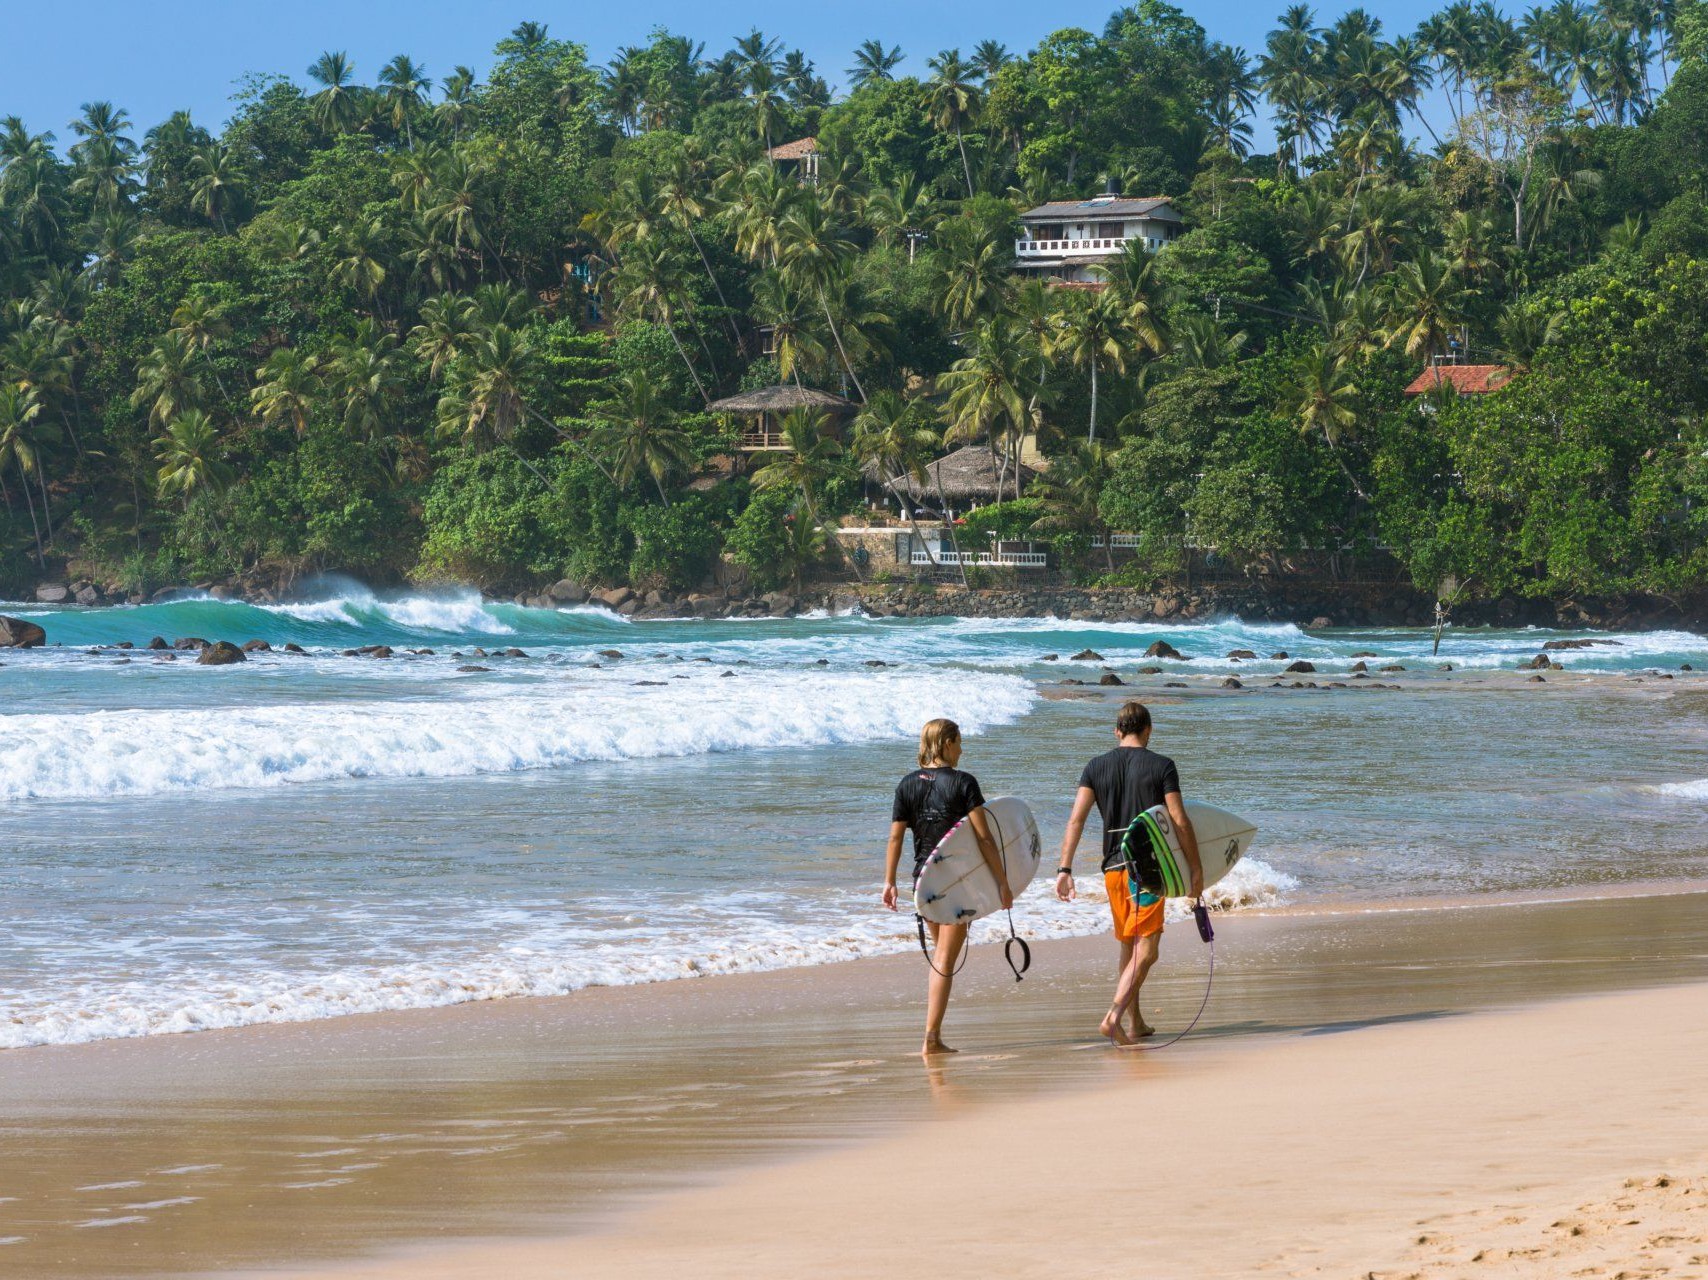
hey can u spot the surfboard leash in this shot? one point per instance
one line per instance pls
(1201, 915)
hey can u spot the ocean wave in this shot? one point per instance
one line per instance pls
(591, 716)
(1696, 789)
(557, 960)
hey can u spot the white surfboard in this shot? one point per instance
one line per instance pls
(1223, 838)
(956, 887)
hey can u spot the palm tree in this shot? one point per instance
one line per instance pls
(191, 457)
(873, 64)
(447, 329)
(359, 262)
(892, 440)
(496, 373)
(638, 433)
(1428, 305)
(1092, 333)
(457, 111)
(684, 199)
(990, 391)
(974, 272)
(19, 411)
(797, 339)
(366, 379)
(814, 253)
(760, 198)
(1325, 396)
(405, 94)
(1141, 294)
(765, 95)
(219, 183)
(906, 211)
(1200, 343)
(806, 461)
(285, 388)
(338, 105)
(953, 101)
(650, 284)
(1523, 330)
(201, 321)
(168, 379)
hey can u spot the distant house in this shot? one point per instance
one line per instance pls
(969, 477)
(764, 409)
(800, 156)
(1462, 379)
(1068, 239)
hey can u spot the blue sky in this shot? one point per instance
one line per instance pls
(157, 56)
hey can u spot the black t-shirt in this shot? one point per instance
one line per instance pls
(1126, 782)
(931, 801)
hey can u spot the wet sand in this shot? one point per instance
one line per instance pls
(302, 1147)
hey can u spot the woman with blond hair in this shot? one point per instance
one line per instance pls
(929, 802)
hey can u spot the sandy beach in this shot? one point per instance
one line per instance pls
(1488, 1145)
(1359, 1071)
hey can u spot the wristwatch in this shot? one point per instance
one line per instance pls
(1064, 871)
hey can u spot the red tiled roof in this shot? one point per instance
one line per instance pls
(796, 150)
(1466, 379)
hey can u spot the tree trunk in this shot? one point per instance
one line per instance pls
(966, 169)
(41, 480)
(687, 363)
(711, 275)
(24, 482)
(1092, 434)
(949, 525)
(831, 321)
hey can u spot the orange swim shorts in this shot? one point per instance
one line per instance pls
(1131, 920)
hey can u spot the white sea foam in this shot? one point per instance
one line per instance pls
(726, 937)
(1696, 789)
(596, 716)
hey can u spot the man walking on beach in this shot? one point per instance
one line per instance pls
(1123, 783)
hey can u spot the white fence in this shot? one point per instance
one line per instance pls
(981, 559)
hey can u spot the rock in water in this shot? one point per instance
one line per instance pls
(1540, 662)
(1110, 678)
(1301, 667)
(158, 642)
(222, 653)
(1163, 649)
(1087, 655)
(257, 646)
(1231, 683)
(15, 633)
(1240, 655)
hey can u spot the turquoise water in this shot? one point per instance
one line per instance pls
(306, 836)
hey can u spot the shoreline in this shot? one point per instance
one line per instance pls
(1309, 603)
(365, 1135)
(1324, 1157)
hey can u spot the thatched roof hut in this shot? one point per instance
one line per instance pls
(781, 399)
(768, 405)
(965, 477)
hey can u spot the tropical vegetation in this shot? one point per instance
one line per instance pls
(423, 322)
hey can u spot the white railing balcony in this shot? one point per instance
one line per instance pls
(1116, 540)
(1099, 244)
(981, 559)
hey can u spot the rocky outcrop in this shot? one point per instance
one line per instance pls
(15, 633)
(1163, 649)
(53, 593)
(1301, 667)
(222, 653)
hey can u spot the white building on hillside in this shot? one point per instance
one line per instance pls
(1065, 239)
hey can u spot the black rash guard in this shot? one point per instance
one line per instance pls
(931, 801)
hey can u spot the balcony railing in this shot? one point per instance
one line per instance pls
(761, 441)
(1112, 244)
(1100, 244)
(981, 559)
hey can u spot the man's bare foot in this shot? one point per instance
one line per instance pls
(1144, 1029)
(933, 1047)
(1112, 1028)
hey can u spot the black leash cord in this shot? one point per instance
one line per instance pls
(1209, 935)
(1014, 938)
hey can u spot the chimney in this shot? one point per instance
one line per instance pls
(1109, 185)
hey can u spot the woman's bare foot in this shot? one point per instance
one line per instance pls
(935, 1046)
(1112, 1028)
